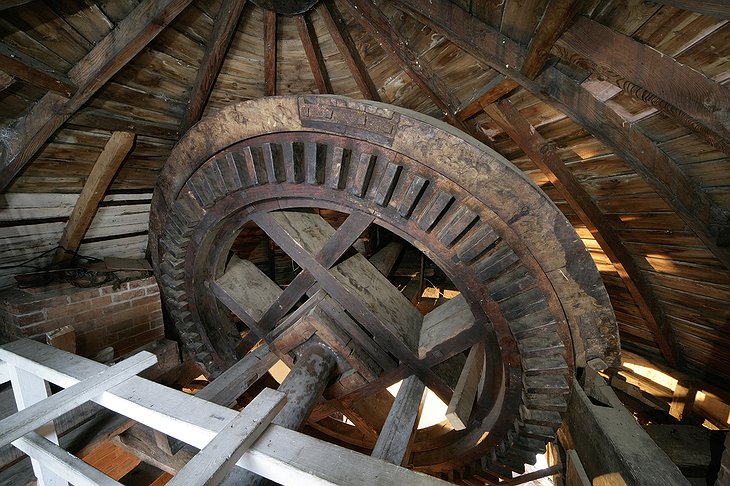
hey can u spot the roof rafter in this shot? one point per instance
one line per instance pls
(313, 53)
(90, 74)
(269, 52)
(709, 221)
(34, 72)
(559, 14)
(341, 37)
(377, 24)
(688, 96)
(543, 155)
(220, 39)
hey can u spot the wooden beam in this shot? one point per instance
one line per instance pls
(494, 90)
(377, 24)
(34, 72)
(220, 39)
(709, 221)
(559, 14)
(341, 37)
(397, 435)
(462, 402)
(91, 73)
(314, 54)
(544, 156)
(686, 95)
(106, 166)
(713, 8)
(269, 52)
(212, 464)
(534, 475)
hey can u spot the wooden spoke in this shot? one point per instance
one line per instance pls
(465, 394)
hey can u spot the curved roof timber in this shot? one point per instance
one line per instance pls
(709, 221)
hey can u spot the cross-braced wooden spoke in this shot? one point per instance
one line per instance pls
(500, 354)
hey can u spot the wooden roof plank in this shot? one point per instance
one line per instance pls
(341, 37)
(220, 39)
(713, 8)
(313, 53)
(709, 221)
(376, 23)
(543, 155)
(685, 94)
(269, 53)
(90, 74)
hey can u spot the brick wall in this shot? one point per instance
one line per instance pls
(125, 318)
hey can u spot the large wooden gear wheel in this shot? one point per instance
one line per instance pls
(531, 296)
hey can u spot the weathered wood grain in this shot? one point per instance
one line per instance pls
(269, 52)
(16, 63)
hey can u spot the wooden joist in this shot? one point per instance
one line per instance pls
(116, 149)
(341, 37)
(378, 25)
(89, 75)
(313, 53)
(5, 80)
(687, 95)
(544, 156)
(640, 152)
(269, 52)
(32, 71)
(220, 39)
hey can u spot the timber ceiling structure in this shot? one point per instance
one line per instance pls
(618, 109)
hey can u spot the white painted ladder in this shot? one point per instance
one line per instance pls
(225, 437)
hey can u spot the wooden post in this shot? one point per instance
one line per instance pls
(397, 435)
(116, 149)
(28, 390)
(303, 386)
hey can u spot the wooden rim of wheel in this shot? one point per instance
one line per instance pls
(535, 298)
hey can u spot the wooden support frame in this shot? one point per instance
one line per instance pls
(269, 52)
(104, 170)
(220, 39)
(641, 153)
(91, 73)
(281, 455)
(700, 104)
(544, 156)
(313, 53)
(341, 37)
(465, 393)
(559, 14)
